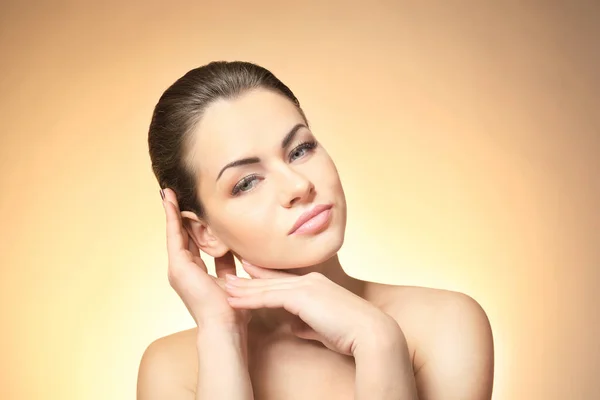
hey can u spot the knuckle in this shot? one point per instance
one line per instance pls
(302, 291)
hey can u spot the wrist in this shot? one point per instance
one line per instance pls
(381, 336)
(222, 363)
(230, 324)
(223, 337)
(227, 332)
(384, 367)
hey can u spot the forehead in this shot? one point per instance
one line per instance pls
(231, 129)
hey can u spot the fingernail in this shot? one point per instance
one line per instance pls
(230, 277)
(162, 194)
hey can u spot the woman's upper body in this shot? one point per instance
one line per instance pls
(235, 147)
(447, 334)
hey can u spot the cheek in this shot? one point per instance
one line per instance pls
(246, 224)
(330, 179)
(256, 235)
(328, 175)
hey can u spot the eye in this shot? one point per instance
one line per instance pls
(302, 148)
(245, 184)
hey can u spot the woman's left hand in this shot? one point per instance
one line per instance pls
(327, 312)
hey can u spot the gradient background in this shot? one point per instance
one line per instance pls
(467, 137)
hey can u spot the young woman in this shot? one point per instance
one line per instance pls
(243, 175)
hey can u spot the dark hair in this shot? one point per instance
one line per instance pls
(180, 108)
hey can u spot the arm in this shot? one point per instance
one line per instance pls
(383, 366)
(222, 372)
(458, 360)
(222, 365)
(221, 335)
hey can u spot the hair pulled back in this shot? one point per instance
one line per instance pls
(181, 107)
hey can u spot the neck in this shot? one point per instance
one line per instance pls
(277, 320)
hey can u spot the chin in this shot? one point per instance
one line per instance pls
(301, 251)
(319, 248)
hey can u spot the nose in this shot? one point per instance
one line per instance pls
(296, 188)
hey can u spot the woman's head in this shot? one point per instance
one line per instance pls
(221, 113)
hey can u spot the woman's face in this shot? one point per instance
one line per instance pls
(251, 207)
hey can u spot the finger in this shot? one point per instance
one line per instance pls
(265, 273)
(193, 248)
(264, 283)
(242, 291)
(171, 196)
(304, 331)
(280, 298)
(225, 265)
(175, 238)
(196, 254)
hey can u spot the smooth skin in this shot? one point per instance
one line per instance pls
(301, 316)
(466, 348)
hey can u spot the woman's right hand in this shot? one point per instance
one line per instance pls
(203, 295)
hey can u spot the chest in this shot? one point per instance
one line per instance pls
(289, 368)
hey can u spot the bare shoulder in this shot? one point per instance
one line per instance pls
(413, 306)
(168, 367)
(448, 334)
(408, 297)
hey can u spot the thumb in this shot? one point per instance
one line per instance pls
(302, 330)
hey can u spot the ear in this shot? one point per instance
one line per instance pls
(202, 235)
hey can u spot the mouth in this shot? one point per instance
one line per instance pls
(313, 220)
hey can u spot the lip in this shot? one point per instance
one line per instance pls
(307, 215)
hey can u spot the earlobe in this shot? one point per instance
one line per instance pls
(199, 231)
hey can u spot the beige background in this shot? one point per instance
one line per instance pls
(467, 137)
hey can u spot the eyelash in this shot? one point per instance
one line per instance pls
(309, 145)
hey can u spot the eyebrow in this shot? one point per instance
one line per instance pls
(253, 160)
